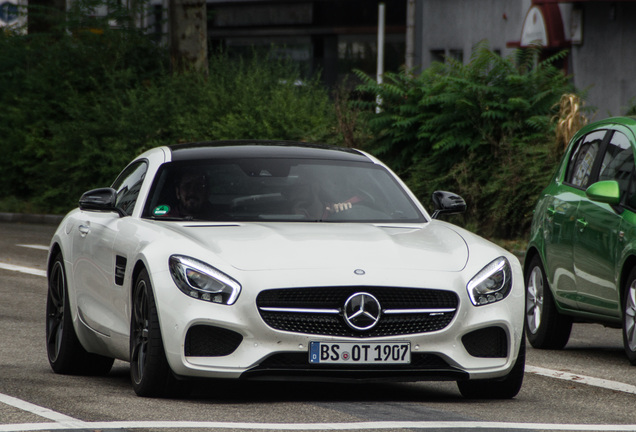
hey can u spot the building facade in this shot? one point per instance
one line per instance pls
(598, 34)
(334, 37)
(330, 37)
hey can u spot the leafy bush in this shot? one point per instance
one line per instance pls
(78, 105)
(62, 94)
(483, 130)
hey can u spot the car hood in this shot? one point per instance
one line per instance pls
(285, 246)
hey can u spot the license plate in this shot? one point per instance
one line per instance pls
(359, 353)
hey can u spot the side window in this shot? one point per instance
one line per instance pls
(618, 164)
(582, 159)
(128, 185)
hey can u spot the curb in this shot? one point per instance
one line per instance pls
(31, 218)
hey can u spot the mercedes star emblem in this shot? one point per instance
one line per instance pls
(362, 311)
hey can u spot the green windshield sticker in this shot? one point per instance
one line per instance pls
(162, 210)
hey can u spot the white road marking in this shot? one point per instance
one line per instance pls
(361, 426)
(21, 269)
(35, 409)
(596, 382)
(34, 246)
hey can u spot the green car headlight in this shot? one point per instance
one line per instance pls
(201, 281)
(491, 284)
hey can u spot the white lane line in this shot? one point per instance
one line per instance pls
(22, 269)
(596, 382)
(38, 410)
(361, 426)
(34, 246)
(64, 422)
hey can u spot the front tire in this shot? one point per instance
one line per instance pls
(149, 370)
(545, 327)
(629, 317)
(65, 352)
(498, 388)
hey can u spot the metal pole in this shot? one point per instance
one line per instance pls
(380, 65)
(410, 35)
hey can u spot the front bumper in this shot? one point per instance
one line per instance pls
(216, 341)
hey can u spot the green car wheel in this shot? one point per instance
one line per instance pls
(545, 326)
(629, 317)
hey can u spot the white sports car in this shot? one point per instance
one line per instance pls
(276, 260)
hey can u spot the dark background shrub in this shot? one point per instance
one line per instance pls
(78, 107)
(80, 103)
(482, 129)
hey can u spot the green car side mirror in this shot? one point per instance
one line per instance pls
(606, 191)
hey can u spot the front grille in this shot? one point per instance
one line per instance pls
(490, 342)
(319, 310)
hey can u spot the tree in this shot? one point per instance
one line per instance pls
(188, 35)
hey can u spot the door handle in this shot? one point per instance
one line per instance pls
(83, 229)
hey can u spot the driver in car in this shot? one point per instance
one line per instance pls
(191, 191)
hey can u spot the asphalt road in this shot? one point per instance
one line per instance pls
(588, 386)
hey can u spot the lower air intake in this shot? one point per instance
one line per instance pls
(210, 341)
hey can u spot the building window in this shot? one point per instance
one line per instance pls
(456, 54)
(438, 56)
(442, 56)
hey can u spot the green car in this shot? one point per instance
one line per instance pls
(580, 265)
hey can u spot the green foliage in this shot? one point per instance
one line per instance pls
(62, 94)
(78, 105)
(482, 129)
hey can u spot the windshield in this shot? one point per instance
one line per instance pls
(279, 190)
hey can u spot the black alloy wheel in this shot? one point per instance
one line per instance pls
(65, 352)
(149, 370)
(55, 307)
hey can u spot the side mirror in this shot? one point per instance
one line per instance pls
(447, 203)
(606, 191)
(103, 199)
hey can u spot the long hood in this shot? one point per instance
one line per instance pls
(272, 246)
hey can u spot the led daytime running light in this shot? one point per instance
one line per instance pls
(491, 284)
(201, 281)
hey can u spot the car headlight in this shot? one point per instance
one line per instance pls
(491, 284)
(203, 282)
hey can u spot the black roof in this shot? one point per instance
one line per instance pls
(231, 149)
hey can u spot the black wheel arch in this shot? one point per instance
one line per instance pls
(530, 254)
(628, 265)
(139, 267)
(53, 253)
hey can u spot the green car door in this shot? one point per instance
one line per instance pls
(599, 230)
(560, 210)
(562, 201)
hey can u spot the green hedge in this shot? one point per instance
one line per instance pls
(79, 106)
(483, 130)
